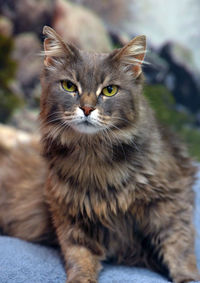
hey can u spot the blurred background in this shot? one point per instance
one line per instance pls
(172, 77)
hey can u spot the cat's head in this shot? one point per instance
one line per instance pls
(90, 93)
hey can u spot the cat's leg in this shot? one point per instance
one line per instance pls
(172, 235)
(81, 253)
(178, 255)
(82, 266)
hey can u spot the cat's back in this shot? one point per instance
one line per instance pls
(23, 212)
(178, 153)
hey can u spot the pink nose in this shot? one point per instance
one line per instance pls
(87, 110)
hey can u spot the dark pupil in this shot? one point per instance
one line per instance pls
(69, 84)
(109, 88)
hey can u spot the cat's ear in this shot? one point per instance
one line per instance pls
(55, 47)
(131, 56)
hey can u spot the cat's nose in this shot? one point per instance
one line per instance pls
(87, 110)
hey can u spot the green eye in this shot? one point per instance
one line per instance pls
(68, 86)
(110, 90)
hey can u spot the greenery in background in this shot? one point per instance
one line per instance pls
(163, 104)
(8, 100)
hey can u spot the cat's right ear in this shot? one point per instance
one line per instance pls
(55, 47)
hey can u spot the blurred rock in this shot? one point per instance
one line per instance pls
(113, 12)
(26, 53)
(179, 78)
(11, 137)
(6, 26)
(198, 119)
(28, 15)
(171, 66)
(181, 55)
(156, 68)
(26, 120)
(80, 26)
(119, 39)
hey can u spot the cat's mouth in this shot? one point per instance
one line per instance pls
(86, 123)
(86, 127)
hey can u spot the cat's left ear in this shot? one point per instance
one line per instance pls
(55, 47)
(131, 56)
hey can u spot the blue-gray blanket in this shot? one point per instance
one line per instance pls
(22, 262)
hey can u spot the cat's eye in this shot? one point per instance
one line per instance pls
(110, 90)
(68, 86)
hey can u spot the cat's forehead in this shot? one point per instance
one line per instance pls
(92, 57)
(93, 62)
(92, 69)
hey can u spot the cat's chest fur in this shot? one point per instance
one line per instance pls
(98, 183)
(90, 173)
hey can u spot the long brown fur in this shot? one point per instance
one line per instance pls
(123, 193)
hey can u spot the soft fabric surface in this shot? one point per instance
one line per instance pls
(22, 262)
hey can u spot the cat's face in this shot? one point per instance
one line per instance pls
(91, 93)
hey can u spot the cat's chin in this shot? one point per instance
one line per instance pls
(86, 128)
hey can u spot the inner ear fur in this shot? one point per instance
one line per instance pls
(55, 47)
(131, 56)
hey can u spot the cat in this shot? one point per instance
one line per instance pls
(112, 182)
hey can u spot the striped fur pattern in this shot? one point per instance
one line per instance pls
(118, 185)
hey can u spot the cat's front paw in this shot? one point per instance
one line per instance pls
(82, 280)
(185, 278)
